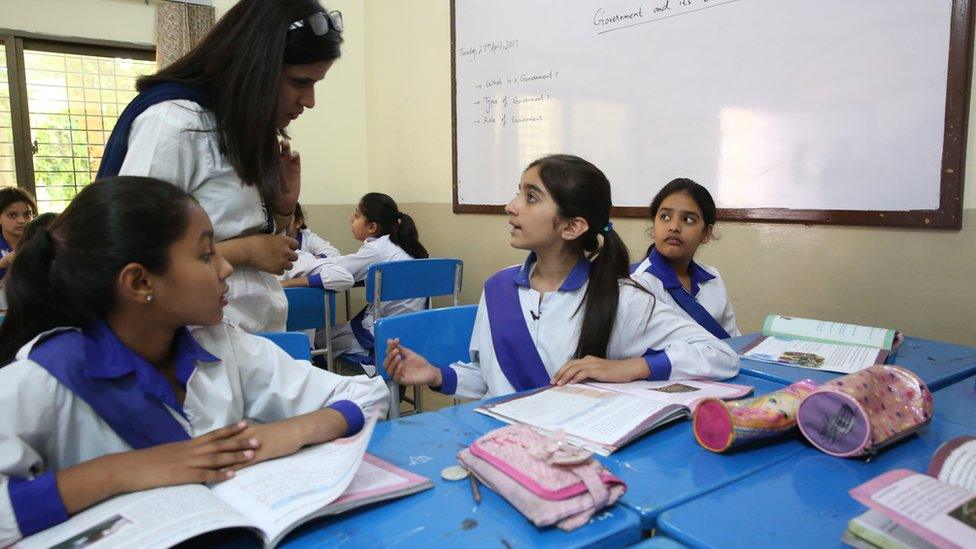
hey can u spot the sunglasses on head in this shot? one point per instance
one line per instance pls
(320, 22)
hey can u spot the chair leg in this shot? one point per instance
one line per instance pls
(394, 411)
(418, 406)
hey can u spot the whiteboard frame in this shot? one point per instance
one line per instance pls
(947, 216)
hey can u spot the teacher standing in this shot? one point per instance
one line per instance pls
(212, 124)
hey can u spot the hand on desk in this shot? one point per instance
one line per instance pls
(407, 367)
(601, 369)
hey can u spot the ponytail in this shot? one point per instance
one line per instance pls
(381, 209)
(65, 275)
(580, 189)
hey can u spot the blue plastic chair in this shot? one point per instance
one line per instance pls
(442, 336)
(307, 310)
(293, 343)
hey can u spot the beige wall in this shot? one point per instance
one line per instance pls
(915, 280)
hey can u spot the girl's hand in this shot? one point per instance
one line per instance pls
(291, 179)
(271, 253)
(601, 369)
(7, 260)
(407, 367)
(278, 439)
(206, 458)
(301, 282)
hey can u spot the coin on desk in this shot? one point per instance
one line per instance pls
(454, 472)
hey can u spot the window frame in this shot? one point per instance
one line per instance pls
(15, 42)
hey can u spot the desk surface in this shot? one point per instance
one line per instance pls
(957, 402)
(802, 502)
(938, 364)
(667, 467)
(446, 514)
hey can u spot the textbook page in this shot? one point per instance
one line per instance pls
(161, 517)
(875, 529)
(377, 480)
(955, 463)
(828, 332)
(280, 494)
(594, 418)
(940, 513)
(684, 392)
(828, 357)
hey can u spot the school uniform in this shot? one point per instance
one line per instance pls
(707, 303)
(5, 250)
(71, 396)
(520, 342)
(175, 141)
(314, 244)
(356, 336)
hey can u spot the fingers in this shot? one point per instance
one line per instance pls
(292, 243)
(560, 377)
(292, 256)
(221, 434)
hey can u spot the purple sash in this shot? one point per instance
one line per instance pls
(661, 268)
(139, 419)
(514, 349)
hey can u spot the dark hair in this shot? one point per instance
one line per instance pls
(580, 189)
(37, 223)
(698, 193)
(299, 214)
(381, 209)
(239, 64)
(13, 195)
(66, 274)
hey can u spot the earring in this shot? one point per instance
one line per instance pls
(149, 298)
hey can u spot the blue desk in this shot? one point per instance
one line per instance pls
(938, 364)
(446, 514)
(667, 467)
(957, 402)
(800, 502)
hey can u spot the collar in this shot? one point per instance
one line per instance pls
(574, 281)
(661, 268)
(106, 357)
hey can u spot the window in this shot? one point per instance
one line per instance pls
(66, 99)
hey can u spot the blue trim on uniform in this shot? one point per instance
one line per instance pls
(449, 380)
(658, 364)
(661, 268)
(315, 281)
(37, 503)
(516, 353)
(298, 237)
(353, 415)
(574, 280)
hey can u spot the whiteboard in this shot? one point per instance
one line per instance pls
(773, 105)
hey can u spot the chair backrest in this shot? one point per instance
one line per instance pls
(293, 343)
(442, 336)
(306, 308)
(414, 278)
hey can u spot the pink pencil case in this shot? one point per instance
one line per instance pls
(547, 479)
(860, 413)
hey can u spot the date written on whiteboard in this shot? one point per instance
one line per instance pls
(472, 53)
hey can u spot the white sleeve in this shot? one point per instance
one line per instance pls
(28, 398)
(470, 381)
(674, 346)
(168, 141)
(358, 263)
(728, 315)
(277, 387)
(316, 245)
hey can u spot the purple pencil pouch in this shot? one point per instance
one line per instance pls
(861, 413)
(547, 479)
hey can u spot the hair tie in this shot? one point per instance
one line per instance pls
(399, 217)
(608, 227)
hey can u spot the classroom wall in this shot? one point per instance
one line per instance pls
(919, 281)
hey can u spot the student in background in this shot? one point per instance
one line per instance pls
(109, 391)
(308, 241)
(17, 208)
(387, 235)
(212, 123)
(571, 312)
(682, 219)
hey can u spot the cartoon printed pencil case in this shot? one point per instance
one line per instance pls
(719, 425)
(547, 479)
(860, 413)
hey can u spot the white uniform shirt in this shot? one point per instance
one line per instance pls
(5, 250)
(711, 292)
(691, 351)
(314, 244)
(44, 426)
(173, 141)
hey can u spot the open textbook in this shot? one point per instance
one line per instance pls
(602, 417)
(270, 499)
(821, 345)
(909, 509)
